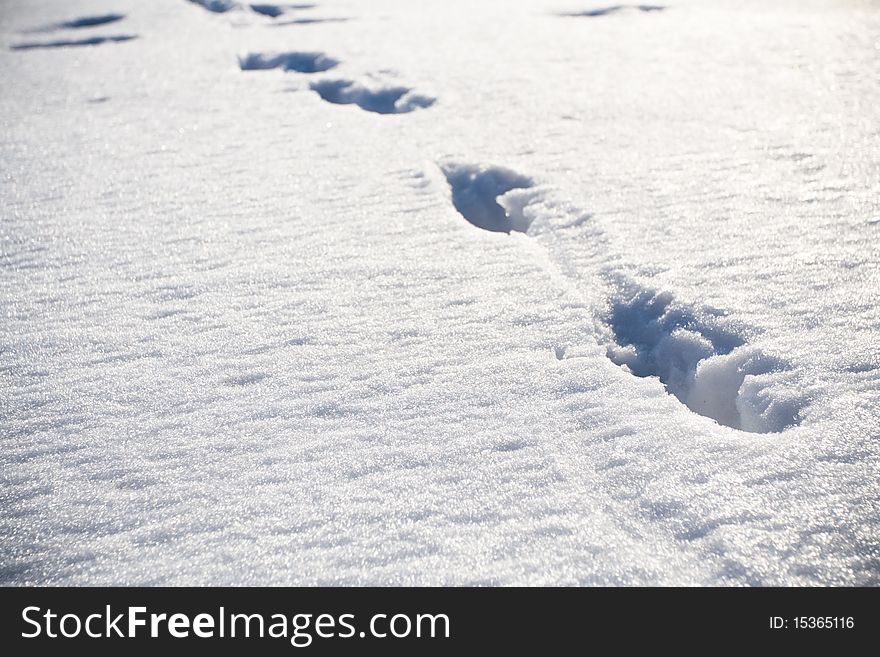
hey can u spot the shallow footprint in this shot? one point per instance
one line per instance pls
(82, 22)
(276, 10)
(72, 43)
(217, 6)
(605, 11)
(310, 21)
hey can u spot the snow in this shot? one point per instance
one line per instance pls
(508, 296)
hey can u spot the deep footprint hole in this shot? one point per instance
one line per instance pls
(709, 369)
(476, 192)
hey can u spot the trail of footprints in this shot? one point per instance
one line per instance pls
(696, 354)
(372, 93)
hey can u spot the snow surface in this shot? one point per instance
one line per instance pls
(254, 334)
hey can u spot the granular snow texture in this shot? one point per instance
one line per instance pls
(518, 293)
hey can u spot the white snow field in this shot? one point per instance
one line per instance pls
(443, 292)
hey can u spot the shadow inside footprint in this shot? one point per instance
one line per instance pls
(301, 62)
(381, 100)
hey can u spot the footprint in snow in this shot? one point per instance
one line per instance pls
(372, 96)
(73, 43)
(309, 21)
(270, 9)
(707, 366)
(698, 356)
(81, 22)
(301, 62)
(217, 6)
(276, 10)
(477, 190)
(614, 9)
